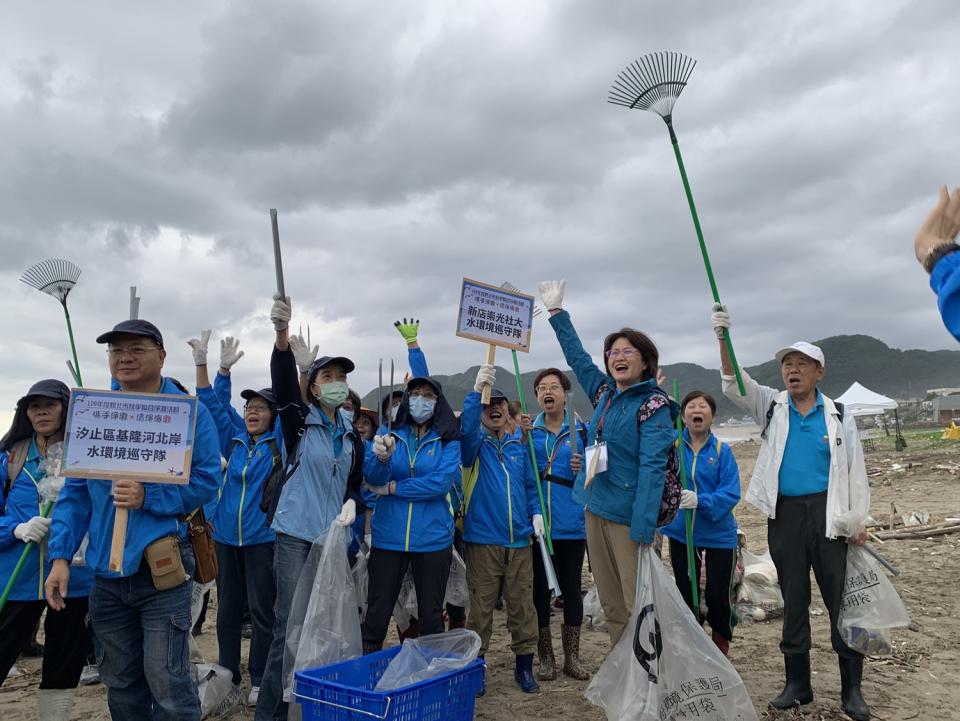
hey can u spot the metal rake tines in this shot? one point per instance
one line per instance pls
(507, 285)
(55, 277)
(654, 82)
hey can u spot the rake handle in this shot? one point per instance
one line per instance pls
(533, 456)
(703, 251)
(73, 345)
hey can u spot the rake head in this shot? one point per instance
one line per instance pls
(54, 277)
(511, 287)
(654, 82)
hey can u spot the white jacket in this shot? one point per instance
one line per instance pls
(848, 491)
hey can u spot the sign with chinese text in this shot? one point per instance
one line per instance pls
(496, 316)
(138, 436)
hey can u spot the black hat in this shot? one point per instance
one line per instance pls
(132, 327)
(324, 361)
(265, 393)
(21, 427)
(498, 395)
(444, 423)
(49, 388)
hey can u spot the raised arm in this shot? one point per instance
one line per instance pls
(759, 397)
(409, 330)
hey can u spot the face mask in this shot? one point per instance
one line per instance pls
(332, 394)
(346, 415)
(421, 408)
(393, 412)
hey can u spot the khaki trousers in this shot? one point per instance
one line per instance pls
(613, 558)
(486, 566)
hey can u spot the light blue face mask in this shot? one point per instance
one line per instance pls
(421, 409)
(347, 416)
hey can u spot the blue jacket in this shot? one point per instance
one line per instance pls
(499, 488)
(564, 515)
(945, 282)
(237, 519)
(629, 491)
(419, 517)
(88, 504)
(716, 480)
(22, 503)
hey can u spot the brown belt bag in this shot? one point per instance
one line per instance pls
(204, 549)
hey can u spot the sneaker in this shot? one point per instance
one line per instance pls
(254, 695)
(230, 703)
(90, 675)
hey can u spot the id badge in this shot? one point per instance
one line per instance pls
(596, 459)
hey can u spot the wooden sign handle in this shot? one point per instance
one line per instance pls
(119, 539)
(491, 357)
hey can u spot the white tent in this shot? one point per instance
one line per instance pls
(861, 401)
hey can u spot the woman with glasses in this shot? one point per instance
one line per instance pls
(628, 447)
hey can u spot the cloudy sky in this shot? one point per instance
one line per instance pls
(409, 144)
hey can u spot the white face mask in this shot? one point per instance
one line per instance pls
(393, 412)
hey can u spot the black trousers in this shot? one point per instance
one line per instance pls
(721, 563)
(66, 639)
(245, 576)
(386, 570)
(798, 542)
(568, 565)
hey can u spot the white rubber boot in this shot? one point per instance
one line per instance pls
(55, 703)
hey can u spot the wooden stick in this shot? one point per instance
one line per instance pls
(119, 539)
(491, 357)
(921, 533)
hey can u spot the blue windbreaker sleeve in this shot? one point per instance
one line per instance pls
(530, 480)
(165, 499)
(285, 382)
(418, 363)
(589, 376)
(435, 485)
(657, 434)
(223, 389)
(7, 524)
(470, 434)
(70, 519)
(945, 282)
(376, 472)
(225, 428)
(717, 505)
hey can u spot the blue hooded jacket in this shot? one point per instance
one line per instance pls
(629, 491)
(945, 282)
(88, 504)
(564, 515)
(716, 481)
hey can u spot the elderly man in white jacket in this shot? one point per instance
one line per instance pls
(811, 482)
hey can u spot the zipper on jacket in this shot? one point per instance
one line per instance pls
(550, 459)
(243, 494)
(413, 461)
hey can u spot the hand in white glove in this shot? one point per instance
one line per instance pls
(688, 499)
(230, 352)
(383, 447)
(538, 529)
(199, 347)
(302, 353)
(368, 540)
(720, 319)
(280, 313)
(486, 376)
(551, 293)
(34, 530)
(348, 514)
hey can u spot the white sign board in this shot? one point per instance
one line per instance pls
(496, 316)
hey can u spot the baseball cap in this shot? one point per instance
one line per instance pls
(808, 349)
(132, 327)
(498, 395)
(265, 393)
(324, 361)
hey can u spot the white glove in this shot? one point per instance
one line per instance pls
(720, 319)
(34, 530)
(230, 352)
(688, 499)
(280, 313)
(486, 376)
(199, 346)
(538, 529)
(368, 540)
(383, 447)
(551, 293)
(348, 514)
(303, 354)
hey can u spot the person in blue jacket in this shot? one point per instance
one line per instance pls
(936, 248)
(412, 468)
(500, 511)
(715, 492)
(142, 633)
(38, 424)
(623, 499)
(251, 443)
(558, 451)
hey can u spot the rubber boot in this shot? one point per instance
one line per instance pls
(523, 674)
(851, 674)
(548, 662)
(570, 636)
(369, 647)
(413, 630)
(452, 624)
(55, 703)
(797, 690)
(721, 643)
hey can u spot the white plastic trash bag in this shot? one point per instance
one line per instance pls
(323, 626)
(213, 684)
(870, 606)
(758, 595)
(457, 593)
(406, 606)
(593, 610)
(664, 667)
(361, 580)
(197, 592)
(429, 656)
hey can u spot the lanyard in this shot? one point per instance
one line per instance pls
(602, 417)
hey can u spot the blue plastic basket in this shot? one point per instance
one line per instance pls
(344, 692)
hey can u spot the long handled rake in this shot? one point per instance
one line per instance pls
(56, 277)
(654, 82)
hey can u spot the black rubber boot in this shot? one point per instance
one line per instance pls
(851, 675)
(797, 690)
(523, 674)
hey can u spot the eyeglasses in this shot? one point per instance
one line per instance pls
(136, 351)
(429, 395)
(255, 408)
(625, 353)
(555, 388)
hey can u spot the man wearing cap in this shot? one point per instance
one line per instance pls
(501, 510)
(811, 482)
(251, 443)
(142, 633)
(322, 481)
